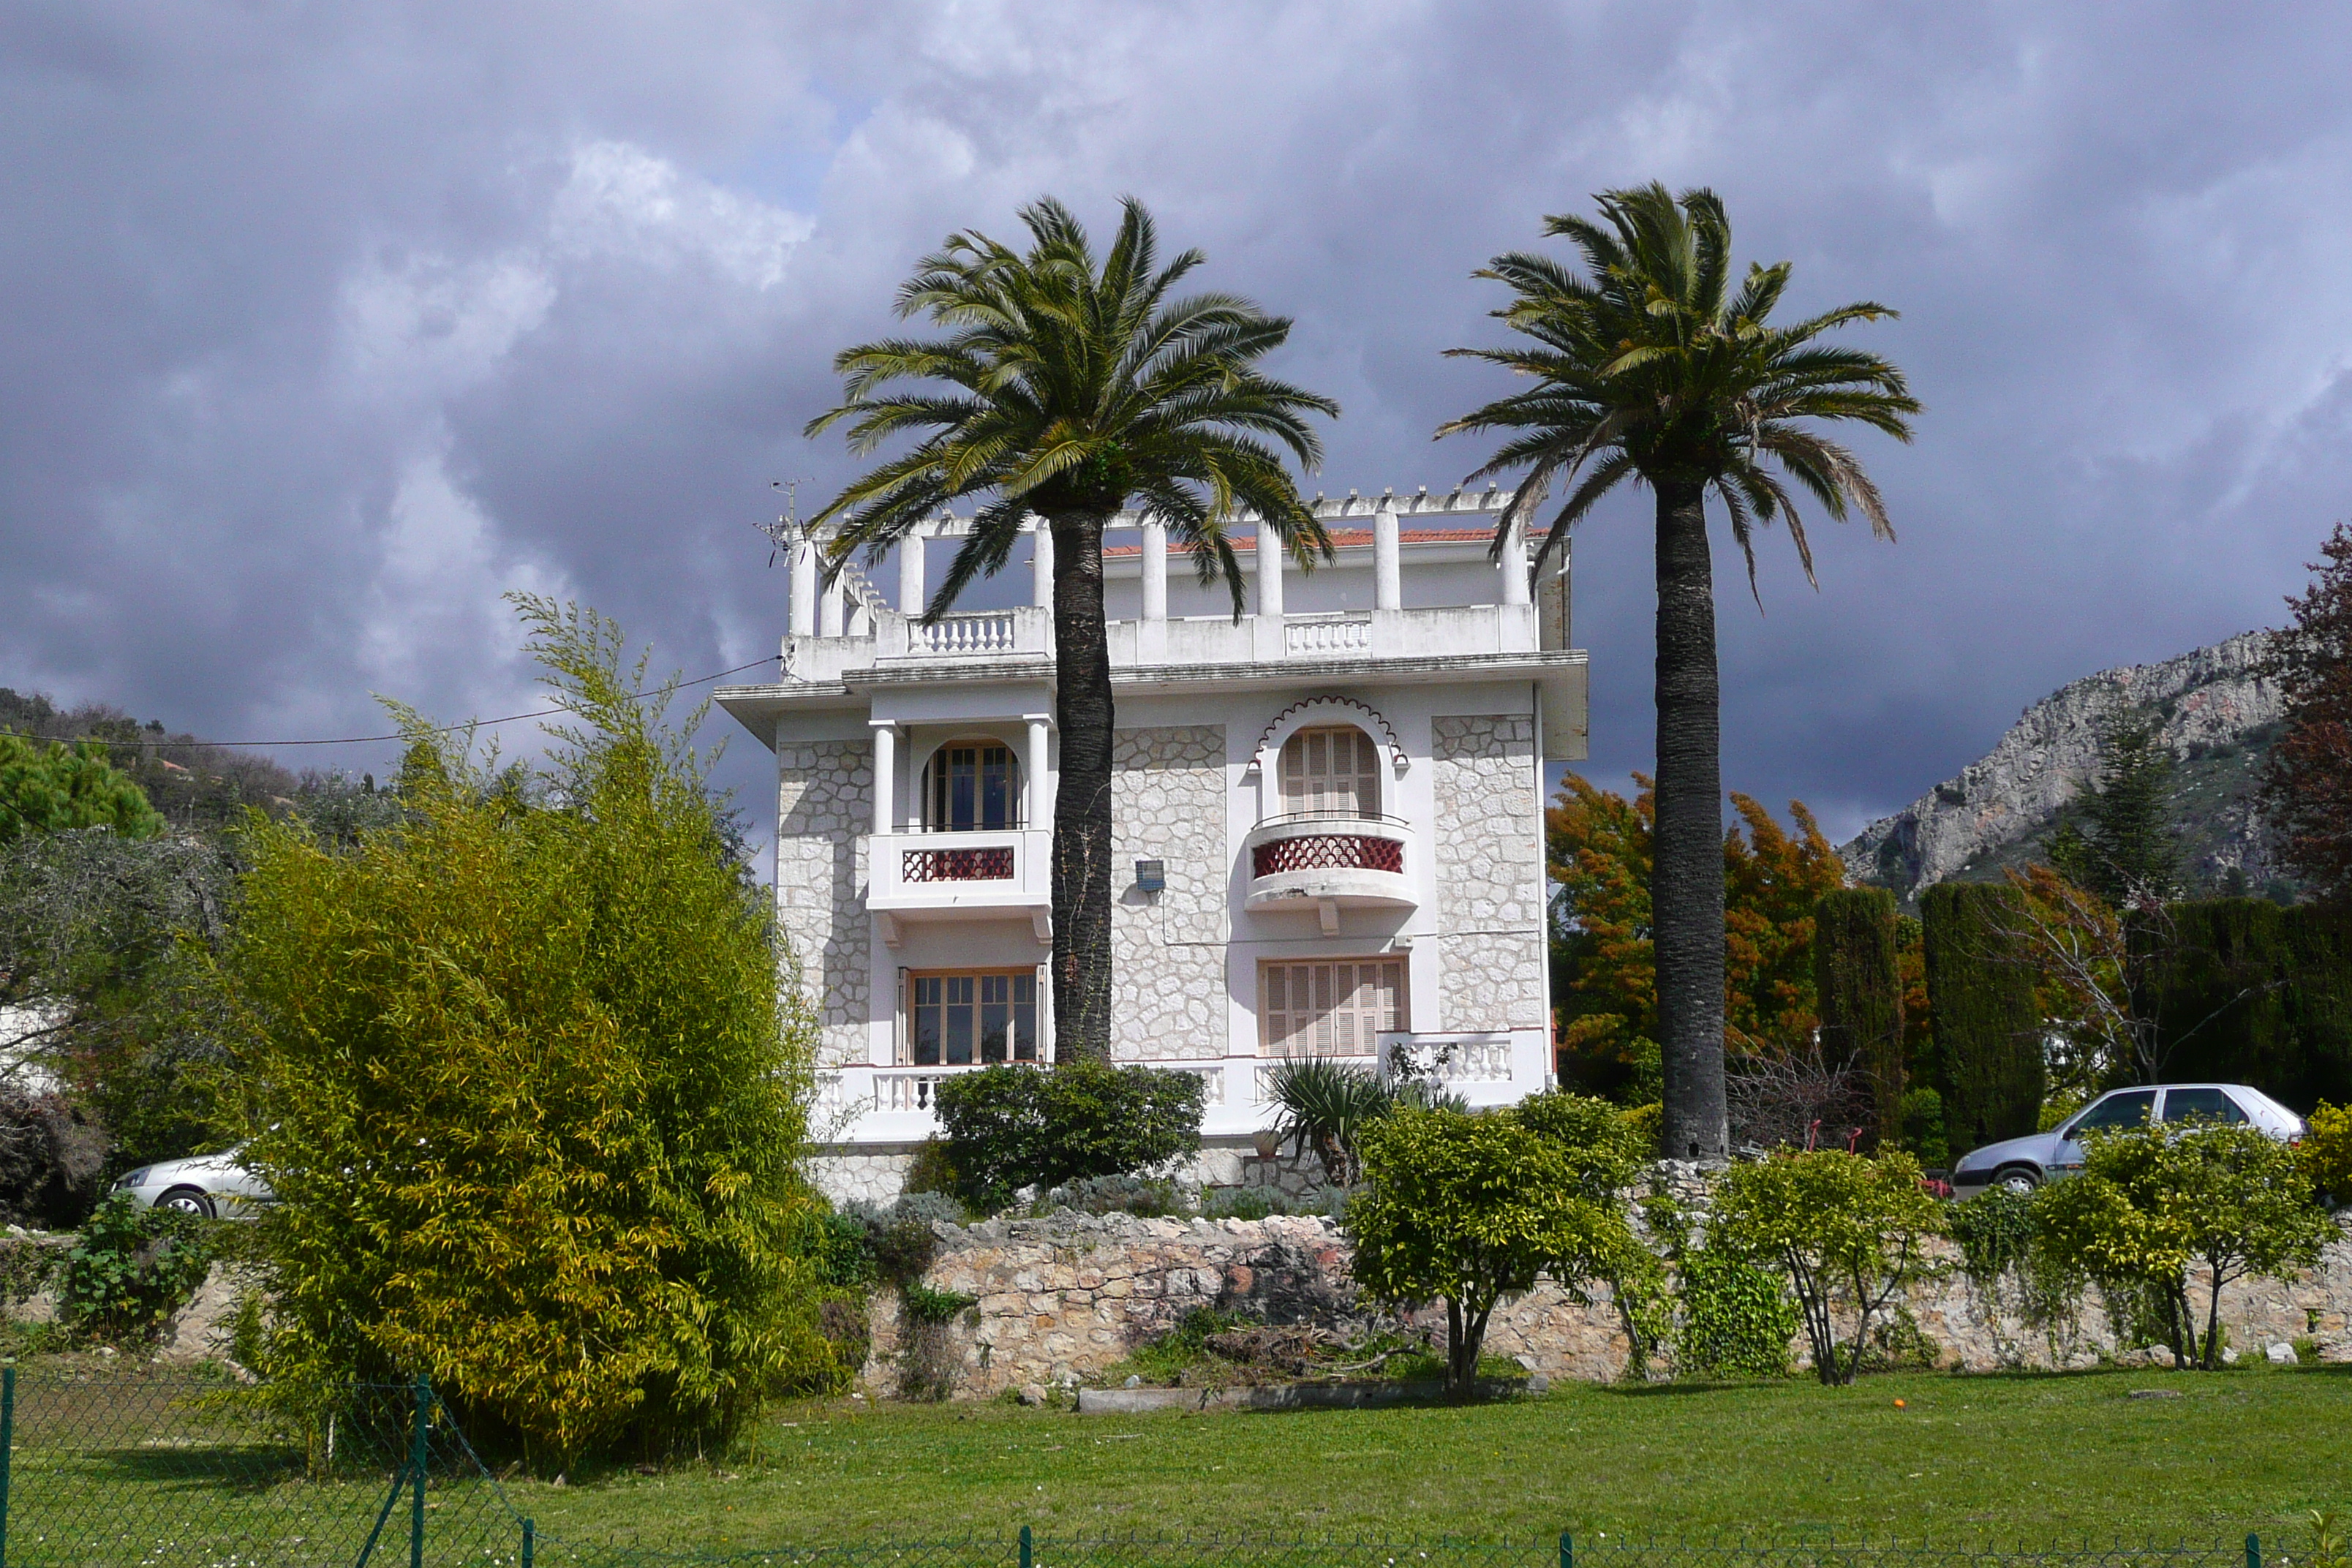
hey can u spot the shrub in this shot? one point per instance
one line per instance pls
(2326, 1152)
(1114, 1195)
(527, 1093)
(1470, 1209)
(1605, 1153)
(1325, 1106)
(1242, 1202)
(1011, 1127)
(2151, 1202)
(1845, 1230)
(131, 1269)
(1988, 1024)
(1735, 1319)
(1923, 1126)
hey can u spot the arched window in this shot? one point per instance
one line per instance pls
(1332, 772)
(971, 784)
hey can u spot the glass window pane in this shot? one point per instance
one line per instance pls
(2130, 1110)
(958, 1036)
(2201, 1105)
(995, 1020)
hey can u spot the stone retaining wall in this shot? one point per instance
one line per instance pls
(1060, 1300)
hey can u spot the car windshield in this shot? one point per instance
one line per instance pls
(2201, 1105)
(2129, 1109)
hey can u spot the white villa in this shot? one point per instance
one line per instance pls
(1329, 833)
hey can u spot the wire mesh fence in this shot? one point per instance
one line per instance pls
(165, 1470)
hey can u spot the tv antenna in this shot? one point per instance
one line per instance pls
(786, 532)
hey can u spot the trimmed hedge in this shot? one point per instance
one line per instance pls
(2259, 995)
(1988, 1025)
(1012, 1126)
(1861, 996)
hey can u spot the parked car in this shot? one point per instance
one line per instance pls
(2022, 1164)
(216, 1186)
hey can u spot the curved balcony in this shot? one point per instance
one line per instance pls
(1330, 862)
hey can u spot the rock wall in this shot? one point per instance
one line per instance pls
(2209, 698)
(1060, 1300)
(1168, 958)
(825, 801)
(1489, 872)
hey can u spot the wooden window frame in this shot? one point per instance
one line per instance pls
(935, 805)
(975, 997)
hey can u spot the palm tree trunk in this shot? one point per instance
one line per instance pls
(1082, 845)
(1687, 875)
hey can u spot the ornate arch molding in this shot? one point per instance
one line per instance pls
(1300, 714)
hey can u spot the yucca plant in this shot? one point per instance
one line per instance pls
(1325, 1106)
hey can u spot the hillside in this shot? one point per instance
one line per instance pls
(2214, 713)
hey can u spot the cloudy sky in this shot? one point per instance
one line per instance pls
(323, 325)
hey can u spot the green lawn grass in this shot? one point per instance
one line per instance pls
(2024, 1460)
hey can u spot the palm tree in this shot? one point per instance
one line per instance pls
(1072, 388)
(1652, 369)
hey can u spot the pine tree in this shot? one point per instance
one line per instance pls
(2126, 851)
(2307, 781)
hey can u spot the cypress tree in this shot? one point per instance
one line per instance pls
(1987, 1026)
(1861, 995)
(2254, 994)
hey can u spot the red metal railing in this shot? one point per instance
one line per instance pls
(959, 865)
(1328, 852)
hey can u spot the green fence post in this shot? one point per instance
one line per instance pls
(419, 1454)
(1026, 1549)
(1567, 1552)
(2254, 1551)
(7, 1443)
(527, 1539)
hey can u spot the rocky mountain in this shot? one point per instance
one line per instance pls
(2210, 709)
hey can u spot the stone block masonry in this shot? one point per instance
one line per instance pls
(1168, 957)
(825, 801)
(1489, 875)
(1061, 1299)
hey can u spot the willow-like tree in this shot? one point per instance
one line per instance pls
(1072, 387)
(1651, 368)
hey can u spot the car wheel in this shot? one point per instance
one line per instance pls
(2018, 1179)
(188, 1200)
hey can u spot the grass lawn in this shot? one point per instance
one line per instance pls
(2025, 1460)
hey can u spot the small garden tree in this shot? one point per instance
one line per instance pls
(2154, 1203)
(1470, 1209)
(1010, 1127)
(1606, 1154)
(1848, 1232)
(524, 1086)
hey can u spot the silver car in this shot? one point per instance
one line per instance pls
(2022, 1164)
(216, 1186)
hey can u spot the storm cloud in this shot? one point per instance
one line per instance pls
(321, 326)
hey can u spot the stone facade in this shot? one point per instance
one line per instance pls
(1168, 955)
(1060, 1300)
(1489, 873)
(824, 803)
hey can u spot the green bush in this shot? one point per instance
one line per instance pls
(1846, 1231)
(1011, 1127)
(1325, 1105)
(1861, 995)
(924, 1305)
(1923, 1126)
(1989, 1056)
(1114, 1195)
(1469, 1209)
(2326, 1152)
(1734, 1320)
(131, 1270)
(523, 1082)
(56, 788)
(2153, 1202)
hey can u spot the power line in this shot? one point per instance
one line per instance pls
(403, 735)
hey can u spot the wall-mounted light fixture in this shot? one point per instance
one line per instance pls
(1151, 876)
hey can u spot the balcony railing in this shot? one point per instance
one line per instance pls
(1305, 637)
(989, 865)
(1328, 852)
(989, 632)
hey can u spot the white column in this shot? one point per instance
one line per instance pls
(804, 618)
(1155, 571)
(1388, 570)
(829, 609)
(1269, 571)
(1041, 568)
(1515, 566)
(1034, 807)
(885, 764)
(910, 574)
